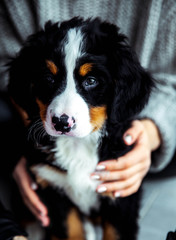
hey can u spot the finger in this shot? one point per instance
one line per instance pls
(32, 200)
(118, 185)
(120, 175)
(39, 210)
(128, 191)
(27, 187)
(31, 196)
(44, 219)
(132, 134)
(27, 192)
(137, 154)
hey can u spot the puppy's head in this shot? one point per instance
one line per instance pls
(75, 75)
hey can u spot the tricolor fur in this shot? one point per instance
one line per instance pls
(80, 85)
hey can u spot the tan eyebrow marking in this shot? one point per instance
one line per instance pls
(52, 67)
(23, 113)
(85, 68)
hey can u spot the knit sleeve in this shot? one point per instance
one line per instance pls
(159, 56)
(17, 20)
(161, 109)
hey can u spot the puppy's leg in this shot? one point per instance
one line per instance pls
(74, 227)
(110, 232)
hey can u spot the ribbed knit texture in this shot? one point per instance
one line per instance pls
(150, 26)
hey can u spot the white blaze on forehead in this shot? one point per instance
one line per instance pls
(73, 49)
(70, 102)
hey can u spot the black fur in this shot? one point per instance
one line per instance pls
(124, 87)
(171, 236)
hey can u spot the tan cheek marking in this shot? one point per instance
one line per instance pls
(85, 68)
(52, 67)
(98, 116)
(43, 109)
(23, 114)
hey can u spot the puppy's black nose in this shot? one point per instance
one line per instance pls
(62, 123)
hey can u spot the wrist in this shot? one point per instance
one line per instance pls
(152, 133)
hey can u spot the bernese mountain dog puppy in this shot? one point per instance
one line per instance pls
(78, 85)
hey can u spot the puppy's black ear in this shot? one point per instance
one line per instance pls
(25, 69)
(22, 71)
(132, 83)
(20, 82)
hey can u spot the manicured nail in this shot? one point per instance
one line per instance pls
(34, 186)
(95, 177)
(100, 167)
(117, 194)
(128, 139)
(101, 189)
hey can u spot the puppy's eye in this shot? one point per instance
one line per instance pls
(50, 79)
(90, 82)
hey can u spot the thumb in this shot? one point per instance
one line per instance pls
(133, 133)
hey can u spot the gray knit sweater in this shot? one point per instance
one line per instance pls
(150, 26)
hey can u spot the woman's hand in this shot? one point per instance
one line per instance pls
(123, 176)
(27, 189)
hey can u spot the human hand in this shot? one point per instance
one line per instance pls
(123, 176)
(27, 189)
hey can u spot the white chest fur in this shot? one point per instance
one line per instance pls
(79, 156)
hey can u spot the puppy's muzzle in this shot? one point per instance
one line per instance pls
(64, 123)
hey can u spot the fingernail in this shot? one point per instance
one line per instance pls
(102, 189)
(19, 238)
(34, 186)
(117, 194)
(100, 167)
(95, 177)
(128, 139)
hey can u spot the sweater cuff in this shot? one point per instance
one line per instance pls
(162, 111)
